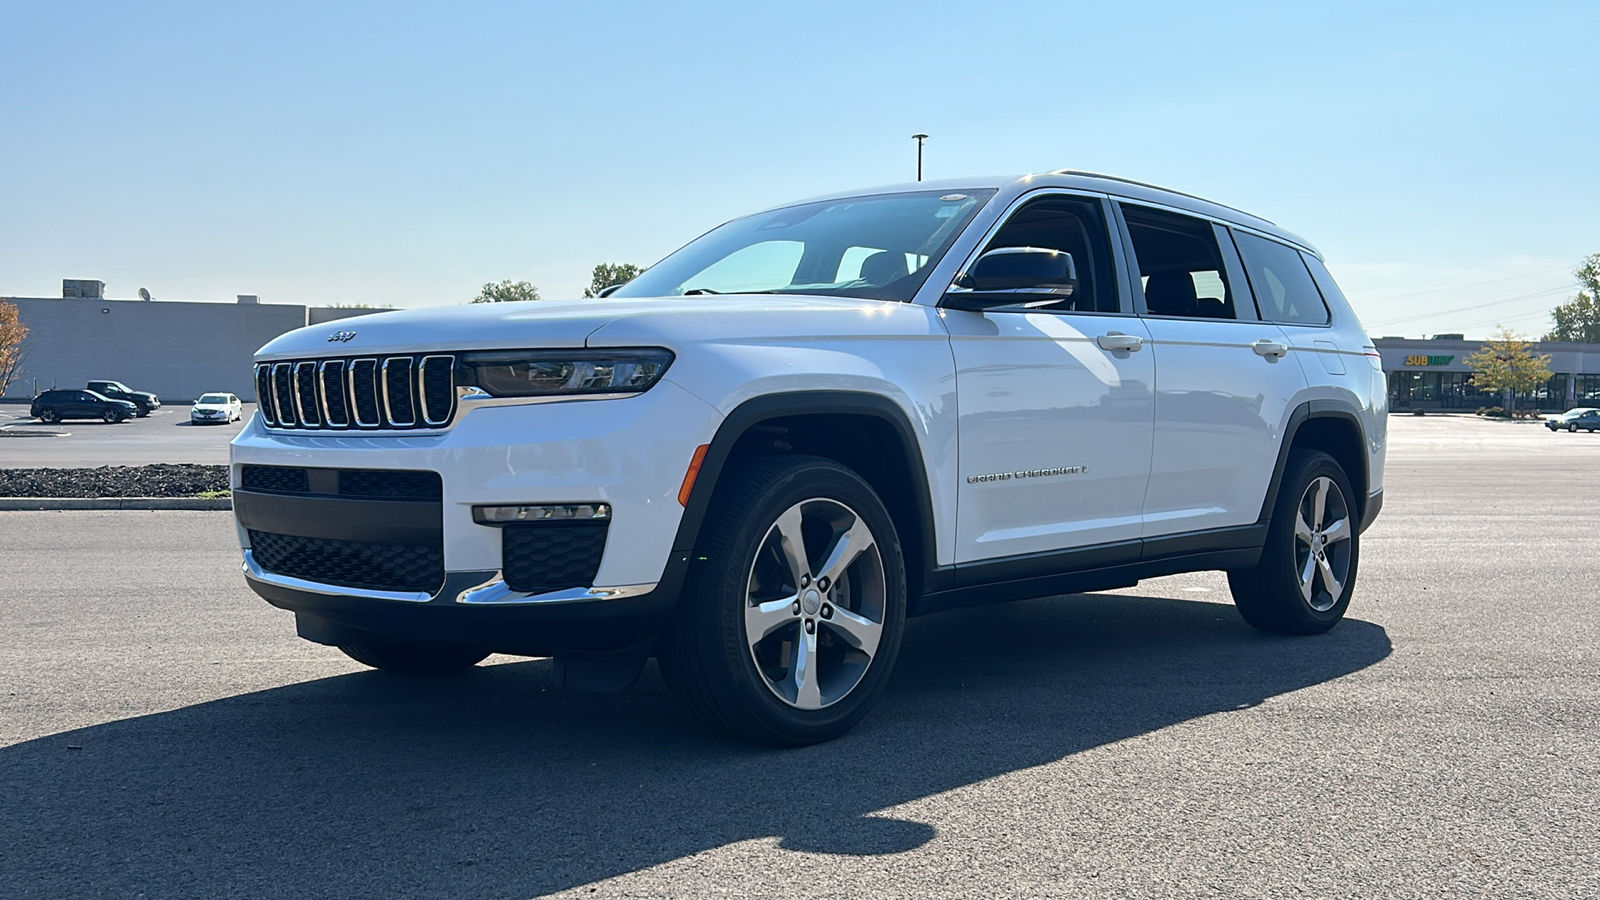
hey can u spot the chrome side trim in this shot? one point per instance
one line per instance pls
(355, 407)
(494, 591)
(322, 393)
(253, 570)
(388, 407)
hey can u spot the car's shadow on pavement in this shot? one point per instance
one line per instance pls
(496, 785)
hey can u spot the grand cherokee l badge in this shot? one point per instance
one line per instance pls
(1027, 473)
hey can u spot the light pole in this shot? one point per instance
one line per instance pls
(919, 138)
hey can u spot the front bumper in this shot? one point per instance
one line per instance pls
(628, 453)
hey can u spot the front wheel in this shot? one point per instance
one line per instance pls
(793, 609)
(1572, 428)
(110, 417)
(411, 658)
(49, 416)
(1303, 583)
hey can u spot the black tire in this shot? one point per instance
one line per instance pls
(704, 655)
(406, 658)
(111, 417)
(1270, 596)
(1572, 428)
(49, 416)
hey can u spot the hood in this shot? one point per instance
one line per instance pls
(575, 323)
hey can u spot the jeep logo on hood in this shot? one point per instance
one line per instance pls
(342, 337)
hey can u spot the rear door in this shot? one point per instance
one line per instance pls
(1223, 379)
(1055, 403)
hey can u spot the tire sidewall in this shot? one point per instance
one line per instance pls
(807, 479)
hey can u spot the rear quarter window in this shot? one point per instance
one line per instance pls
(1284, 289)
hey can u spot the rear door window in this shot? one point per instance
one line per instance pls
(1284, 289)
(1179, 265)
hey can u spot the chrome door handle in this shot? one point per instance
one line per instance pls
(1268, 348)
(1116, 340)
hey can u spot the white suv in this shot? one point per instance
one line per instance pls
(756, 459)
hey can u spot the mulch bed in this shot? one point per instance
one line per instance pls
(160, 480)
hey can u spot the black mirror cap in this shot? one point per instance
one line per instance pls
(1012, 276)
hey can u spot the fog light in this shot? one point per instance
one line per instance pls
(562, 512)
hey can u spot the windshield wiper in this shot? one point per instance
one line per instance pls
(693, 291)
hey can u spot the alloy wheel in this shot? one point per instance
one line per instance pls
(1323, 533)
(815, 602)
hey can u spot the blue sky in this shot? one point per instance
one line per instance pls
(1443, 156)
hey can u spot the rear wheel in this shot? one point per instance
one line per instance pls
(110, 416)
(49, 415)
(413, 658)
(1303, 583)
(792, 614)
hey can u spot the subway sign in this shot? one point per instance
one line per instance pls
(1429, 360)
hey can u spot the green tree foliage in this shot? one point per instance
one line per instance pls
(12, 335)
(608, 274)
(506, 292)
(1578, 319)
(1507, 363)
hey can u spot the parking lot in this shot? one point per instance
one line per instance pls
(164, 436)
(163, 733)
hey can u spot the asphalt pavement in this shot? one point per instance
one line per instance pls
(164, 734)
(164, 436)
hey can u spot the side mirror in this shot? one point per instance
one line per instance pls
(1014, 276)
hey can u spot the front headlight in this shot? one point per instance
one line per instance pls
(541, 373)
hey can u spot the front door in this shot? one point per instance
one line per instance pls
(1055, 404)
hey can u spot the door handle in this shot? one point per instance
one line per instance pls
(1116, 340)
(1271, 349)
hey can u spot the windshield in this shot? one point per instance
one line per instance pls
(213, 398)
(878, 247)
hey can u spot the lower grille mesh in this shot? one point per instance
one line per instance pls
(356, 564)
(551, 557)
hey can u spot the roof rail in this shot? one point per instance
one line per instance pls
(1157, 187)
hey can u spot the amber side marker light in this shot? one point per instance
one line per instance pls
(692, 474)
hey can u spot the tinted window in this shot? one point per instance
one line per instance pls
(1325, 284)
(1074, 225)
(1179, 265)
(1282, 283)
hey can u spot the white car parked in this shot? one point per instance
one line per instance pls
(756, 459)
(216, 408)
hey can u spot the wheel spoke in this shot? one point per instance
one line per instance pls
(765, 618)
(1302, 528)
(792, 544)
(857, 631)
(1338, 531)
(1308, 575)
(1334, 586)
(804, 679)
(1319, 501)
(846, 549)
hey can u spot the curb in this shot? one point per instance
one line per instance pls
(37, 503)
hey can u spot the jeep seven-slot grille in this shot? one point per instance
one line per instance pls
(372, 392)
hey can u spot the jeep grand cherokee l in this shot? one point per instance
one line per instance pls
(756, 459)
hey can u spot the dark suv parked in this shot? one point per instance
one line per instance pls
(53, 406)
(116, 390)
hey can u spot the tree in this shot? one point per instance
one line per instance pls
(12, 336)
(608, 274)
(506, 292)
(1507, 364)
(1578, 319)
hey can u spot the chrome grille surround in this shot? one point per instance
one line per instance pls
(402, 392)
